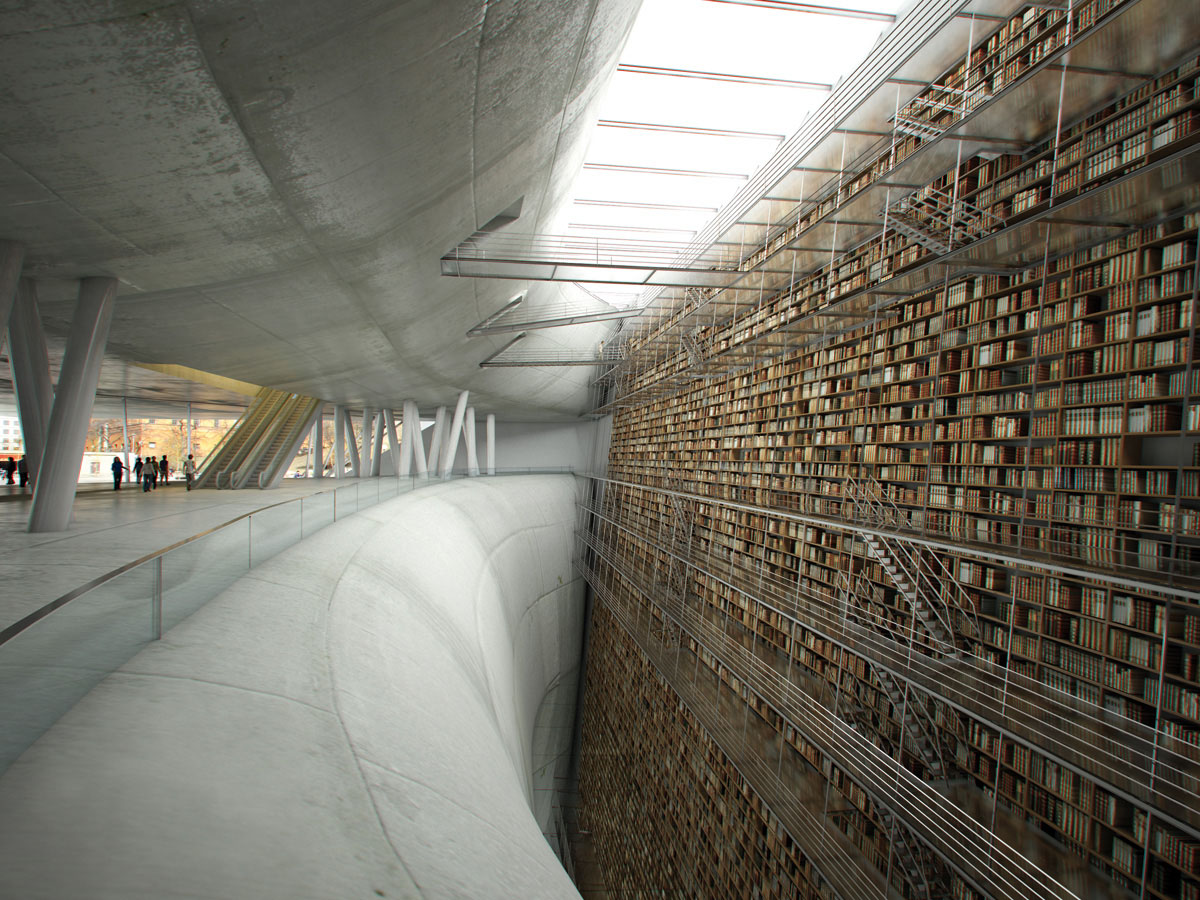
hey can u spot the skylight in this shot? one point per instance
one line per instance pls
(705, 92)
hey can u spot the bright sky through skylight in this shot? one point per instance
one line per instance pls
(705, 92)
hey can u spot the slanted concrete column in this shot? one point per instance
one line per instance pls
(339, 440)
(407, 426)
(469, 437)
(12, 256)
(364, 459)
(351, 445)
(318, 444)
(450, 447)
(412, 439)
(54, 494)
(490, 458)
(435, 440)
(31, 373)
(418, 443)
(389, 422)
(377, 452)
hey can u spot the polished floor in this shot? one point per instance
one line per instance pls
(111, 528)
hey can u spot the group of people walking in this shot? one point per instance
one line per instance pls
(151, 471)
(12, 469)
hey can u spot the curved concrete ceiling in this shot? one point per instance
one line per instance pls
(274, 182)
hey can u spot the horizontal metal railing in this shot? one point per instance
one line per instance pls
(1129, 760)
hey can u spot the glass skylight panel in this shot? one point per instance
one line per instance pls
(705, 153)
(693, 71)
(643, 188)
(708, 104)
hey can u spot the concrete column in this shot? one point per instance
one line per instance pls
(54, 494)
(318, 442)
(490, 459)
(125, 433)
(435, 441)
(364, 456)
(418, 443)
(377, 452)
(407, 426)
(469, 437)
(339, 440)
(31, 373)
(413, 414)
(352, 445)
(12, 256)
(451, 445)
(389, 422)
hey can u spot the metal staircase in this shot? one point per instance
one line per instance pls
(679, 543)
(922, 116)
(938, 221)
(939, 603)
(919, 866)
(920, 734)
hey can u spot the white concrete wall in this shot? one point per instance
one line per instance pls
(580, 445)
(353, 718)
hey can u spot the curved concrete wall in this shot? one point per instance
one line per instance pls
(354, 718)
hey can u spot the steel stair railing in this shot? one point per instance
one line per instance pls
(903, 569)
(923, 733)
(940, 594)
(938, 221)
(911, 120)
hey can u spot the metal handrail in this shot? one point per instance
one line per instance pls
(943, 579)
(41, 612)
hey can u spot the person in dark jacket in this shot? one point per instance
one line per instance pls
(118, 470)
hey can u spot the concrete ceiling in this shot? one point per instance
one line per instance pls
(274, 182)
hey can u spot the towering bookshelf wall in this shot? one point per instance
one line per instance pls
(1050, 409)
(698, 828)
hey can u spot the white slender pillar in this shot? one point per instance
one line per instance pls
(490, 458)
(435, 441)
(450, 448)
(125, 433)
(389, 422)
(368, 441)
(31, 373)
(188, 451)
(339, 440)
(377, 452)
(418, 438)
(469, 437)
(12, 256)
(351, 445)
(420, 463)
(54, 493)
(407, 427)
(318, 442)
